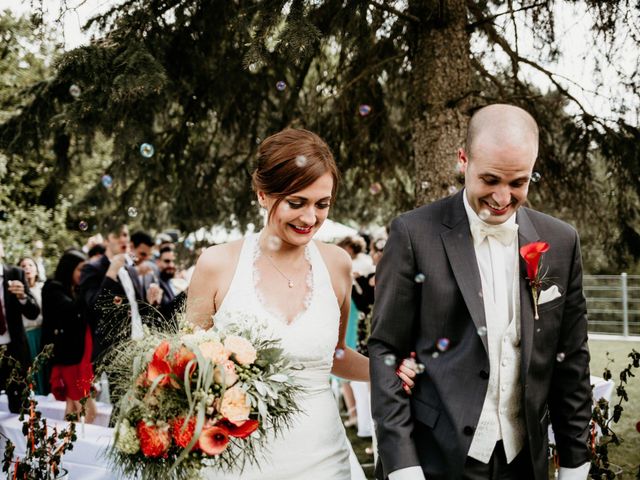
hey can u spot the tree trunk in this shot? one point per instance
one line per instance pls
(441, 86)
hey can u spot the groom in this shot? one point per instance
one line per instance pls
(452, 288)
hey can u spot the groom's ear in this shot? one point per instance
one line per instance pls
(262, 199)
(463, 160)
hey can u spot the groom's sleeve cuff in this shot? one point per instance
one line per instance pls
(409, 473)
(578, 473)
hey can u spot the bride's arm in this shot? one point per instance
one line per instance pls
(348, 363)
(202, 290)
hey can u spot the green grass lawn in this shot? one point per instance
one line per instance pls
(627, 455)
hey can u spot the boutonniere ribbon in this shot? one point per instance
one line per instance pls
(532, 254)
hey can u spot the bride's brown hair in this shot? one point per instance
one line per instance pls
(290, 161)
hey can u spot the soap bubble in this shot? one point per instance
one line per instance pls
(443, 344)
(536, 177)
(75, 91)
(390, 360)
(107, 181)
(82, 225)
(375, 188)
(339, 353)
(364, 110)
(301, 161)
(132, 212)
(274, 243)
(484, 214)
(147, 150)
(482, 331)
(281, 86)
(419, 278)
(560, 357)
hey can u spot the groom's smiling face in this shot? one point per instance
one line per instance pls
(497, 177)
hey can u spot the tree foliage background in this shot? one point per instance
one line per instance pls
(389, 84)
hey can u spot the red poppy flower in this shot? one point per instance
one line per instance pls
(240, 431)
(159, 364)
(182, 435)
(213, 440)
(154, 441)
(531, 252)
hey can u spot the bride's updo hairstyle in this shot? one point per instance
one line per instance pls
(290, 161)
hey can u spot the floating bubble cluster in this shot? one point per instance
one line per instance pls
(147, 150)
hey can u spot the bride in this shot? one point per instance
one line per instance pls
(302, 288)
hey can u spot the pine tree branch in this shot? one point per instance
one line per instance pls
(405, 16)
(483, 19)
(498, 39)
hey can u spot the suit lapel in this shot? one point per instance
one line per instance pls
(526, 234)
(458, 244)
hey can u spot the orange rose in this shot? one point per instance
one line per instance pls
(214, 351)
(241, 348)
(234, 406)
(225, 374)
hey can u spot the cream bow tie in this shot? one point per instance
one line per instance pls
(505, 233)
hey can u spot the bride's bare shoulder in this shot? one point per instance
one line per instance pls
(336, 258)
(219, 258)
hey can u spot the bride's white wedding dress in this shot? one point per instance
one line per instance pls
(315, 446)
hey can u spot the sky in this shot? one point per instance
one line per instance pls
(572, 27)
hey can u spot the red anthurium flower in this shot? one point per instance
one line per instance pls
(213, 440)
(180, 360)
(159, 364)
(531, 252)
(154, 441)
(182, 434)
(240, 431)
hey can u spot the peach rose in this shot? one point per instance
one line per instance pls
(234, 406)
(244, 352)
(214, 351)
(226, 374)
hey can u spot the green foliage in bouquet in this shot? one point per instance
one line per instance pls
(197, 399)
(603, 418)
(45, 446)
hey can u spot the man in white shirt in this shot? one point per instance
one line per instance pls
(452, 288)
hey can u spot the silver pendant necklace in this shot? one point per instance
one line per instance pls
(289, 281)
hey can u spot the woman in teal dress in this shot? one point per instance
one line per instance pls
(33, 327)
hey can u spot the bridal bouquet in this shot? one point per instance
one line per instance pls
(199, 399)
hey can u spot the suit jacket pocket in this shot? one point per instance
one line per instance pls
(545, 307)
(425, 413)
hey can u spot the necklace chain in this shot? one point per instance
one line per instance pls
(289, 281)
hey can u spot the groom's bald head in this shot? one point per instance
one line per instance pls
(501, 125)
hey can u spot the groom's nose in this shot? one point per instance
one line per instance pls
(502, 195)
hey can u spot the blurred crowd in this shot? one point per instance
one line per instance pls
(91, 299)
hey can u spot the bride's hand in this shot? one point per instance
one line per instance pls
(407, 372)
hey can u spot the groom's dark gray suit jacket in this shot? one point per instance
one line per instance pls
(435, 425)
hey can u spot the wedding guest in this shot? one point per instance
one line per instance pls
(32, 328)
(499, 362)
(38, 258)
(15, 301)
(65, 326)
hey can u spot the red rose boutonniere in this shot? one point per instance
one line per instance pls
(532, 252)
